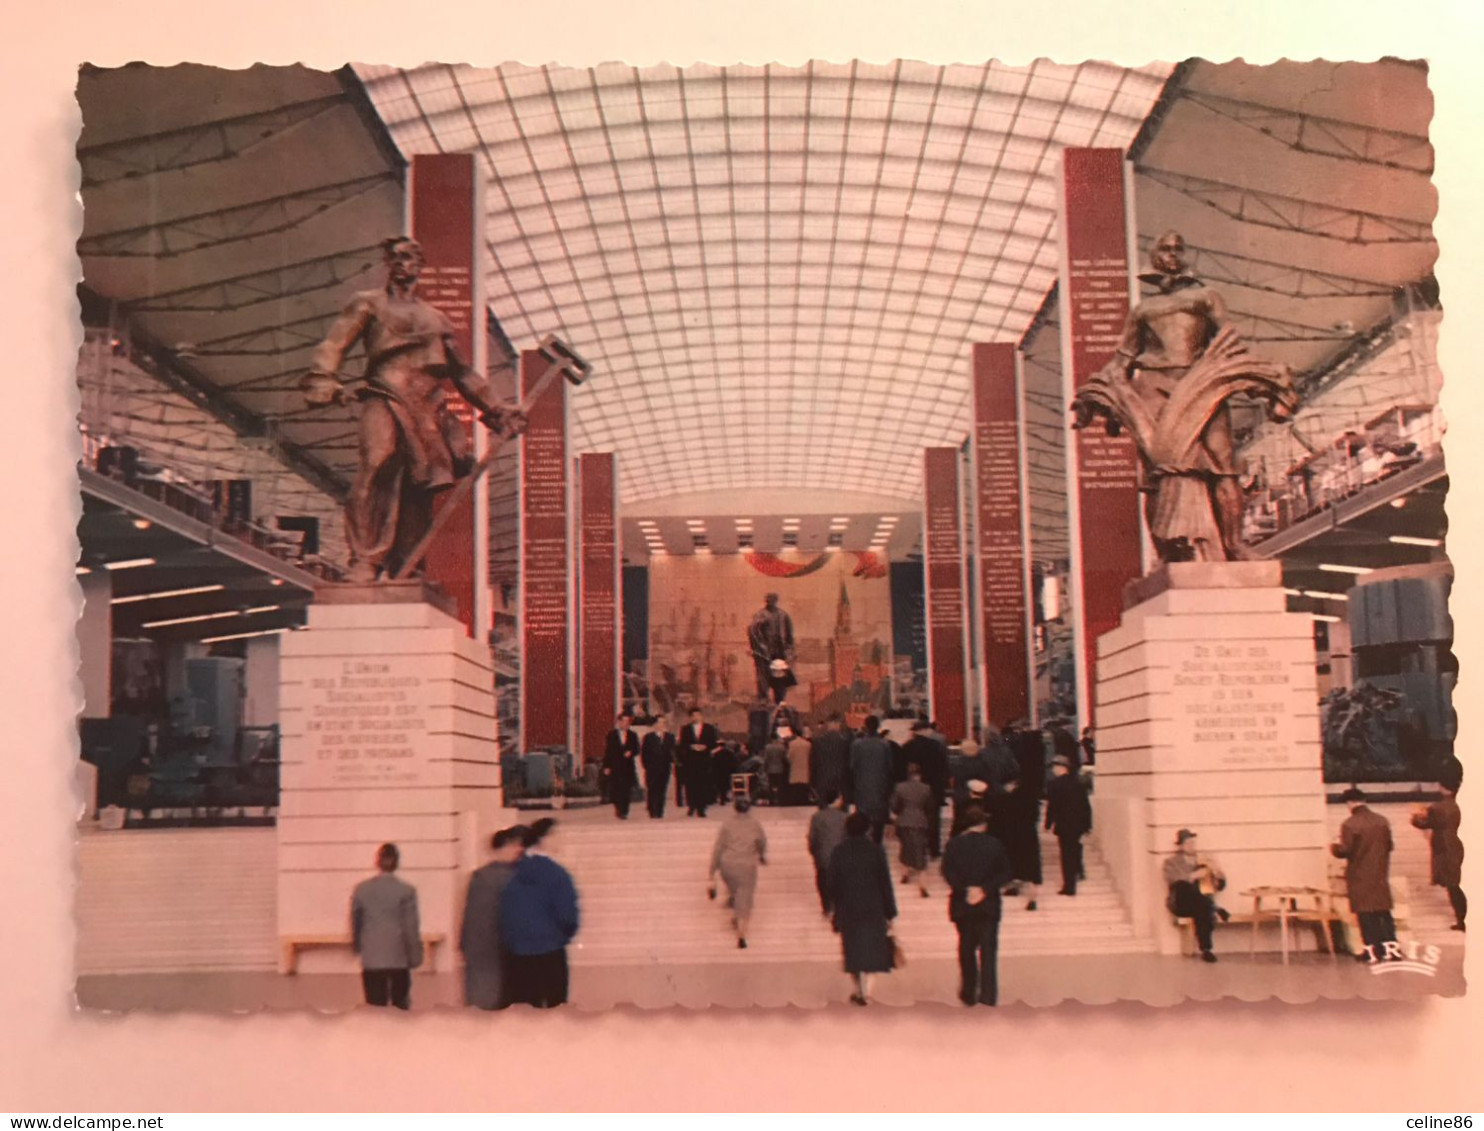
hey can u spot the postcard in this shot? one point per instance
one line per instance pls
(851, 535)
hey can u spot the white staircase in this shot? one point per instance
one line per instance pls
(205, 899)
(642, 887)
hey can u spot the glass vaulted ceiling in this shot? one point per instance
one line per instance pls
(776, 271)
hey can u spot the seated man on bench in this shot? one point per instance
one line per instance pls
(1193, 881)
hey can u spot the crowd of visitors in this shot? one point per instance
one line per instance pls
(864, 784)
(521, 908)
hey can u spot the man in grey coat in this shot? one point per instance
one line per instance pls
(479, 937)
(385, 933)
(826, 832)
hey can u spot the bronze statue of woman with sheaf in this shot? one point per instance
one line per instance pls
(1176, 366)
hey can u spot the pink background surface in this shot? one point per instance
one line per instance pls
(1255, 1056)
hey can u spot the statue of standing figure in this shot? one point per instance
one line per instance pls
(1177, 365)
(771, 638)
(411, 445)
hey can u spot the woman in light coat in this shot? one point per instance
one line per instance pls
(741, 846)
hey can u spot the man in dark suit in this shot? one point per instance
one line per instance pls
(620, 765)
(1069, 816)
(926, 751)
(976, 868)
(1365, 846)
(658, 755)
(698, 742)
(1029, 748)
(829, 760)
(871, 776)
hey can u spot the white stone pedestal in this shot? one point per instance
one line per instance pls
(1208, 719)
(388, 734)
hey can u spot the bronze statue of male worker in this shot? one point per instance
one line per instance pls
(411, 445)
(1177, 364)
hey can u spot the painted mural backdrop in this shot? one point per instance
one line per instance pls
(700, 607)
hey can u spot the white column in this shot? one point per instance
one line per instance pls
(95, 643)
(260, 681)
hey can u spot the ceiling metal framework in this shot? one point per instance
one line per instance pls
(1329, 137)
(1294, 214)
(201, 143)
(777, 270)
(220, 227)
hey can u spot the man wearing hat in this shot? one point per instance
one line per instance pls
(925, 749)
(975, 794)
(1365, 846)
(1192, 880)
(1069, 816)
(976, 867)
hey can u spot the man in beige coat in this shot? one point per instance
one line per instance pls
(799, 751)
(1365, 846)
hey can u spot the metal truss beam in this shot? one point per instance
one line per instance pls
(203, 144)
(176, 373)
(221, 227)
(1169, 94)
(276, 384)
(240, 292)
(1265, 328)
(1321, 136)
(1286, 279)
(1360, 350)
(266, 341)
(1292, 214)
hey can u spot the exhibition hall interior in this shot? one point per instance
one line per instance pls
(1066, 435)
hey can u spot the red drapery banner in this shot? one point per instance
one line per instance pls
(943, 571)
(1001, 554)
(442, 221)
(544, 625)
(1107, 539)
(598, 607)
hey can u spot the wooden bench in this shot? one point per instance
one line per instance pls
(291, 945)
(1186, 926)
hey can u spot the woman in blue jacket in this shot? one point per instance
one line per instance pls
(538, 918)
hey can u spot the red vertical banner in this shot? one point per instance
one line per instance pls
(1107, 540)
(544, 558)
(442, 211)
(598, 605)
(1001, 554)
(943, 571)
(1103, 478)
